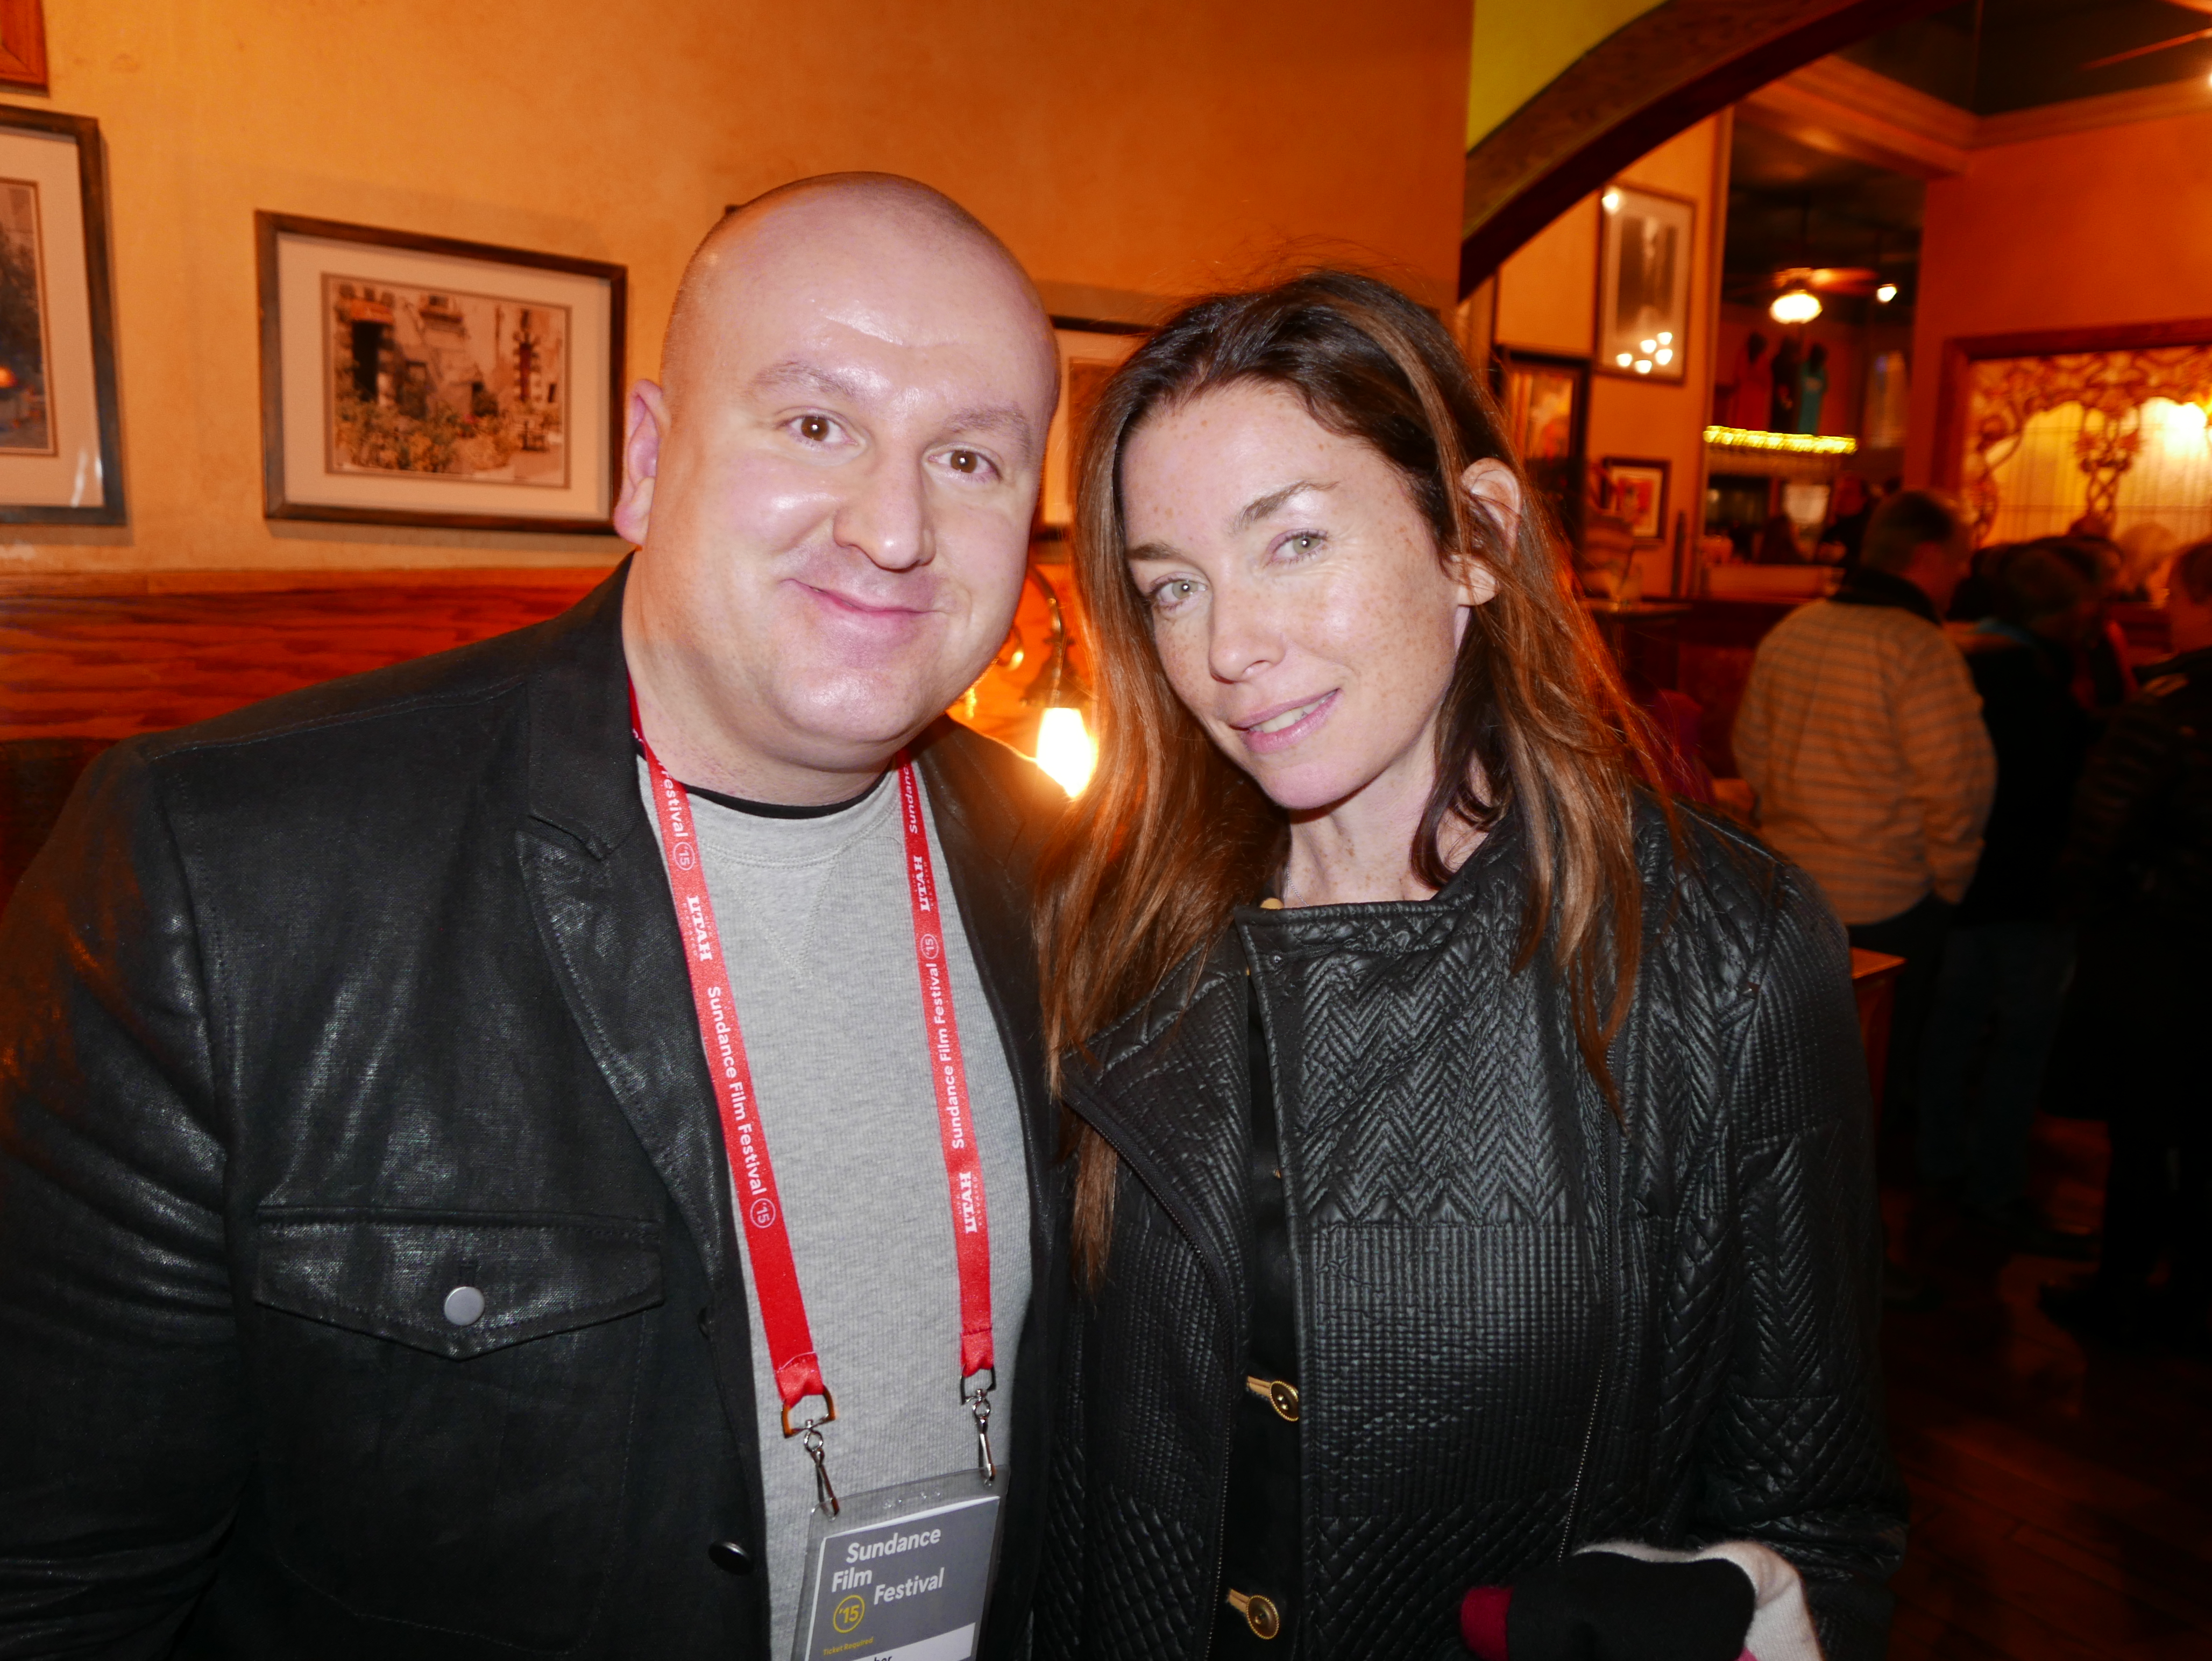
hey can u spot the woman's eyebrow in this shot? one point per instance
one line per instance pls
(1260, 507)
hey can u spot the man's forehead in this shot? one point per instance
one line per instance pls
(859, 335)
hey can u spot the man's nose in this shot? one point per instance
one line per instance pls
(887, 515)
(1242, 633)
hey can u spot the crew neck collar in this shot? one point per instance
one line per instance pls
(784, 809)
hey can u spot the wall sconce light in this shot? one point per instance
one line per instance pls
(1887, 293)
(1065, 749)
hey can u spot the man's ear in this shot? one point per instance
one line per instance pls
(645, 425)
(1490, 485)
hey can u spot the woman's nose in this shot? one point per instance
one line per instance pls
(1243, 635)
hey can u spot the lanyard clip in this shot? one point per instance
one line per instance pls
(978, 1403)
(808, 1432)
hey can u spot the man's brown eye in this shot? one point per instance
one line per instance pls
(965, 461)
(815, 428)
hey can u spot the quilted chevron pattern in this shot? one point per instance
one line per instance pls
(1483, 1256)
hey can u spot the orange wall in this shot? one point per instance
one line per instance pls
(1151, 147)
(2110, 226)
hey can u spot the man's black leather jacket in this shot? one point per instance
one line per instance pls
(1519, 1328)
(312, 1013)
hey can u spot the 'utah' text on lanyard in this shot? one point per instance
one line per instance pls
(759, 1205)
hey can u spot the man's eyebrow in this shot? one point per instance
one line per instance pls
(797, 374)
(1001, 418)
(1260, 507)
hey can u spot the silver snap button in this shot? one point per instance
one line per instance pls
(464, 1306)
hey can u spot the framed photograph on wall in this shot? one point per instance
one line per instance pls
(61, 443)
(1636, 490)
(1089, 355)
(419, 381)
(1544, 397)
(23, 44)
(1644, 259)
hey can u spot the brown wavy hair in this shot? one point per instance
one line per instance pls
(1172, 836)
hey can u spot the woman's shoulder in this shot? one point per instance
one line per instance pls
(1709, 884)
(1206, 975)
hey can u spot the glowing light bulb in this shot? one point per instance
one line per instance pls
(1795, 305)
(1065, 749)
(1611, 201)
(1663, 356)
(1624, 359)
(1887, 293)
(1643, 365)
(1647, 347)
(2184, 422)
(1666, 338)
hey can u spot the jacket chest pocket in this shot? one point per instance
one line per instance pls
(446, 1403)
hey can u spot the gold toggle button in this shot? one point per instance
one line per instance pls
(1283, 1397)
(1259, 1614)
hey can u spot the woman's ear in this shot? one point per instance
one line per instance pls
(1490, 484)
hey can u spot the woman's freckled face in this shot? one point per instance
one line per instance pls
(1299, 606)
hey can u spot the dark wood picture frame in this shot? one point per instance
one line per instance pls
(23, 44)
(277, 504)
(1560, 481)
(1664, 469)
(99, 300)
(1675, 372)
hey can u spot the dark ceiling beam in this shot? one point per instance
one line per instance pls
(1647, 80)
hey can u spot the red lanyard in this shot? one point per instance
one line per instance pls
(759, 1205)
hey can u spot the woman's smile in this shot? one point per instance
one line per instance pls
(1277, 730)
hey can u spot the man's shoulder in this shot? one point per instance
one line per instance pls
(464, 675)
(374, 738)
(1007, 799)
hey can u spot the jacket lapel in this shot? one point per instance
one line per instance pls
(1171, 1091)
(596, 885)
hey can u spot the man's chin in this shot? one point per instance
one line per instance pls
(850, 727)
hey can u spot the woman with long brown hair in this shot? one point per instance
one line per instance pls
(1470, 1146)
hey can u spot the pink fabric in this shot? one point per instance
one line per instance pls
(1482, 1620)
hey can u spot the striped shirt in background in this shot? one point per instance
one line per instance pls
(1861, 735)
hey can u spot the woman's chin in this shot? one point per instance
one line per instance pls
(1305, 788)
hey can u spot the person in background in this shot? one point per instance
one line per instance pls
(2007, 960)
(1751, 394)
(1777, 542)
(1782, 406)
(1812, 387)
(1861, 735)
(2147, 549)
(2137, 867)
(2103, 679)
(1850, 507)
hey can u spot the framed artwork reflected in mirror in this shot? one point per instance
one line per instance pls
(1643, 282)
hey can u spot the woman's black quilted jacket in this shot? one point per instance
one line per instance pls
(1520, 1328)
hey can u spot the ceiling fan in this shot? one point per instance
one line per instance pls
(1796, 289)
(2201, 6)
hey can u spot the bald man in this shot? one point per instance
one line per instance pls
(544, 1150)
